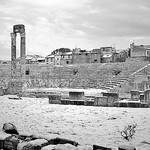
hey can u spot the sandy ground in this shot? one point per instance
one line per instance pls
(87, 125)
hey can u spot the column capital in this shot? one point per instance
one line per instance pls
(13, 35)
(22, 34)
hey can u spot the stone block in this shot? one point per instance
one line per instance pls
(50, 138)
(126, 147)
(54, 99)
(11, 143)
(72, 102)
(96, 147)
(89, 103)
(3, 136)
(54, 140)
(10, 128)
(32, 145)
(65, 141)
(48, 147)
(84, 147)
(76, 95)
(64, 147)
(27, 137)
(101, 101)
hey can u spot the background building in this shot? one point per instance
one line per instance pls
(66, 58)
(50, 59)
(139, 50)
(82, 56)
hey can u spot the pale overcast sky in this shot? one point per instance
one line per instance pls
(88, 24)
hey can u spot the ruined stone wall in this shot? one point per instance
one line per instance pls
(138, 51)
(74, 76)
(81, 58)
(5, 73)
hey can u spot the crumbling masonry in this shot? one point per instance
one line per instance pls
(17, 29)
(16, 82)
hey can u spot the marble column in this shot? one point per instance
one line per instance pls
(13, 54)
(22, 48)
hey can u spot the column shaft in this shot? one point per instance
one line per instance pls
(22, 48)
(13, 54)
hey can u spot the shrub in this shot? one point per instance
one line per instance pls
(128, 131)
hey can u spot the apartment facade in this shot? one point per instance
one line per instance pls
(66, 58)
(50, 59)
(139, 50)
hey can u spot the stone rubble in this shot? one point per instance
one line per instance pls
(32, 142)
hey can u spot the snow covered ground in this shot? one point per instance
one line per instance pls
(86, 125)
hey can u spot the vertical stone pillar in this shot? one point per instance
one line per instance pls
(13, 55)
(16, 83)
(22, 48)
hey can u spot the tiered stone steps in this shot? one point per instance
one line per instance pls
(98, 75)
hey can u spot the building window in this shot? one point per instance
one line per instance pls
(27, 72)
(147, 53)
(67, 62)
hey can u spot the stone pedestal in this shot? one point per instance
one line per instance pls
(76, 95)
(126, 147)
(97, 147)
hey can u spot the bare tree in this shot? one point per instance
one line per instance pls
(128, 131)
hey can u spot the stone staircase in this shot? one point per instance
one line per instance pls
(123, 79)
(99, 75)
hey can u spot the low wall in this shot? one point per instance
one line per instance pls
(54, 98)
(101, 101)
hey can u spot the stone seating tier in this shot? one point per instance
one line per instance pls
(98, 75)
